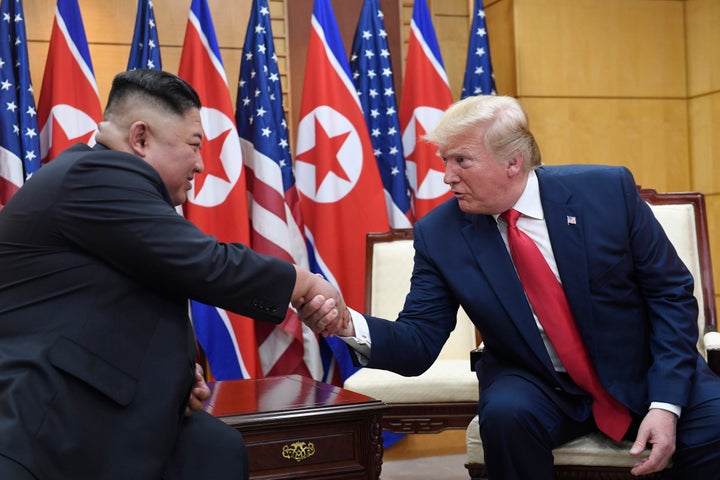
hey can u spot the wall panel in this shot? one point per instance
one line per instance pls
(647, 136)
(703, 37)
(705, 142)
(609, 48)
(501, 32)
(453, 33)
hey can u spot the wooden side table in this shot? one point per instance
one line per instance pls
(297, 428)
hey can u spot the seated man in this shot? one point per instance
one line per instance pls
(97, 353)
(586, 311)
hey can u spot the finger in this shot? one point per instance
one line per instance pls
(319, 318)
(641, 441)
(194, 404)
(653, 463)
(327, 322)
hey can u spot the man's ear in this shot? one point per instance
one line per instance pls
(515, 164)
(138, 137)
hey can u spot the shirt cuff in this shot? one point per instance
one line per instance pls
(360, 343)
(676, 409)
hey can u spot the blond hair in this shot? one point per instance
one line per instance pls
(502, 122)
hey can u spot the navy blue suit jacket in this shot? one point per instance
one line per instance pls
(632, 297)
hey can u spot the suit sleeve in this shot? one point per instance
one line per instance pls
(119, 211)
(667, 288)
(410, 345)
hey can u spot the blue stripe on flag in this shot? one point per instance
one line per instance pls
(423, 20)
(69, 10)
(217, 341)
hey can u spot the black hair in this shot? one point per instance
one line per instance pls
(164, 88)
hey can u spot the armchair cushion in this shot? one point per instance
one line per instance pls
(445, 381)
(590, 450)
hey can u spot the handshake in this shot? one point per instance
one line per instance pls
(320, 305)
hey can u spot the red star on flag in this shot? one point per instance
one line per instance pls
(212, 149)
(324, 155)
(424, 150)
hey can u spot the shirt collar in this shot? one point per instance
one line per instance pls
(529, 202)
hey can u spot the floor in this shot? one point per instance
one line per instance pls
(442, 467)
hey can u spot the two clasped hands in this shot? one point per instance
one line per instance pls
(320, 306)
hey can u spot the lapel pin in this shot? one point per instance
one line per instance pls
(571, 220)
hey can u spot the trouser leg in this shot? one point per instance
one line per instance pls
(208, 448)
(519, 427)
(697, 454)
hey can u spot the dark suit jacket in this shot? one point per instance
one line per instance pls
(631, 295)
(96, 349)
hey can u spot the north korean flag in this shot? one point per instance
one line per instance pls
(425, 96)
(69, 105)
(341, 192)
(217, 203)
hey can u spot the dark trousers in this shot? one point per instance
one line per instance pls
(207, 448)
(520, 425)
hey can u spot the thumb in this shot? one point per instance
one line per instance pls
(640, 443)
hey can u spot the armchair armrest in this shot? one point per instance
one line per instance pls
(476, 353)
(711, 341)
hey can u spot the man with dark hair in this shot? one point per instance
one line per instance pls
(97, 354)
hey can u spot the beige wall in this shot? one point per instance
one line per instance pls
(623, 82)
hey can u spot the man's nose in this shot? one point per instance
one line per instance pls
(449, 177)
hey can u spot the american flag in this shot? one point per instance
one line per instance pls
(373, 78)
(217, 203)
(425, 97)
(275, 217)
(145, 47)
(479, 77)
(19, 140)
(69, 106)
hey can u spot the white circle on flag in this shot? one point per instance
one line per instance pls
(432, 185)
(215, 190)
(73, 121)
(350, 156)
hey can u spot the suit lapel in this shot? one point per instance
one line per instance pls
(493, 259)
(564, 219)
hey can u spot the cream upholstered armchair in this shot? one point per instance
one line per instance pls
(446, 395)
(595, 456)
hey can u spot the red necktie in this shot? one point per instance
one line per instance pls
(553, 311)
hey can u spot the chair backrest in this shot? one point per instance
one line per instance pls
(390, 259)
(683, 217)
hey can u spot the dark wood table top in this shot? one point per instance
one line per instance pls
(247, 401)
